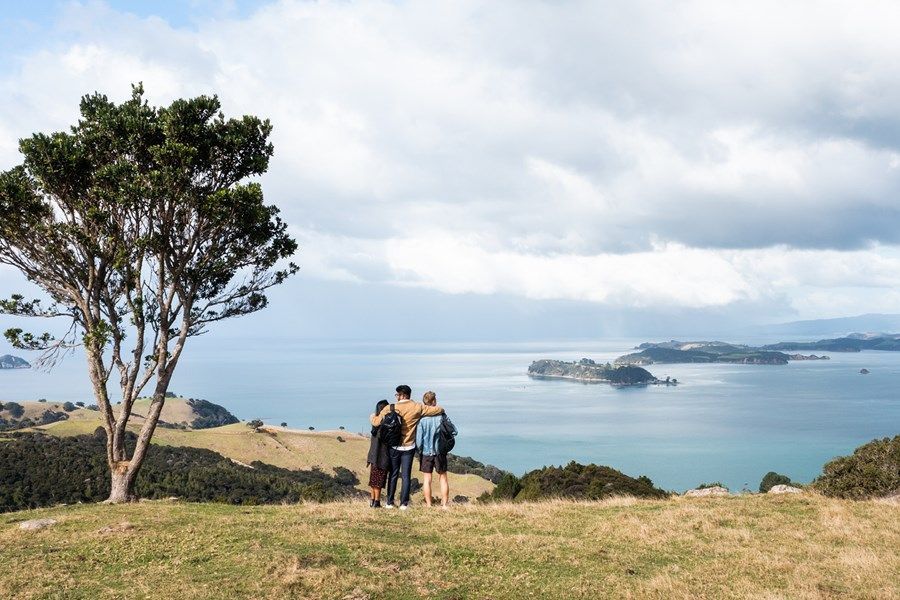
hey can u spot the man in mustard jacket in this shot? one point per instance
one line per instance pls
(402, 455)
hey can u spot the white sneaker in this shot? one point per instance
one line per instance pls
(404, 507)
(389, 506)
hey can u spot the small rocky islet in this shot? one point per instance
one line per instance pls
(8, 361)
(588, 371)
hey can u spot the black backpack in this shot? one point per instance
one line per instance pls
(445, 438)
(390, 431)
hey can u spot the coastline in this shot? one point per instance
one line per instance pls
(592, 380)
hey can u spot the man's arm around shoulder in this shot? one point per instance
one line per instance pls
(376, 419)
(431, 411)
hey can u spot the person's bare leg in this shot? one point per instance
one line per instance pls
(376, 493)
(426, 488)
(445, 489)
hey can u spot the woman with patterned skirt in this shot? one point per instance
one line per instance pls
(379, 462)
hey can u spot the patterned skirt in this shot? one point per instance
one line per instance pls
(377, 477)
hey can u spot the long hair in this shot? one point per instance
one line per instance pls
(380, 406)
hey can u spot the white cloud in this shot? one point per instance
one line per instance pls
(697, 154)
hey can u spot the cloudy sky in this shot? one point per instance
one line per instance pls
(544, 168)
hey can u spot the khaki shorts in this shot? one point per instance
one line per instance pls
(429, 463)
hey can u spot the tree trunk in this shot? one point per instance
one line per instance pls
(122, 484)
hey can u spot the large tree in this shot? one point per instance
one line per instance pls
(141, 226)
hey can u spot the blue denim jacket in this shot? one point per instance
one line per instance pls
(427, 432)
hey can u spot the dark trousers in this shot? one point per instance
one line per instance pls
(401, 465)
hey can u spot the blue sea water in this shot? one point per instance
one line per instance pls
(728, 423)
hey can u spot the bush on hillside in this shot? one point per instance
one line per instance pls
(713, 484)
(68, 407)
(771, 479)
(506, 489)
(872, 471)
(255, 424)
(42, 470)
(15, 409)
(79, 404)
(50, 416)
(575, 481)
(463, 465)
(209, 414)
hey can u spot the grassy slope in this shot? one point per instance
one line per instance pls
(753, 546)
(281, 447)
(33, 410)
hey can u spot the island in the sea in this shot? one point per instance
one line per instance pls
(7, 361)
(708, 352)
(588, 371)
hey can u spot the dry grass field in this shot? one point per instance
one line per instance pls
(764, 547)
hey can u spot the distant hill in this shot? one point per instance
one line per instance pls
(8, 361)
(674, 352)
(854, 342)
(836, 327)
(181, 413)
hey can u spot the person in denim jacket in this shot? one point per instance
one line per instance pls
(430, 460)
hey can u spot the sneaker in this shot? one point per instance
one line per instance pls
(376, 504)
(389, 506)
(371, 502)
(404, 507)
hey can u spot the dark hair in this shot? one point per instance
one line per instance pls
(381, 404)
(405, 391)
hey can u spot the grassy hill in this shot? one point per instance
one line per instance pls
(740, 547)
(278, 446)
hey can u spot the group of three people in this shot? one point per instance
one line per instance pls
(420, 428)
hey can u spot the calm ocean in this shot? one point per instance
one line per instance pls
(728, 423)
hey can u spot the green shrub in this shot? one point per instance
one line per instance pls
(467, 465)
(703, 486)
(872, 471)
(255, 424)
(576, 481)
(771, 479)
(508, 488)
(68, 407)
(15, 409)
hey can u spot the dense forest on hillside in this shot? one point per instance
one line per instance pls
(42, 470)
